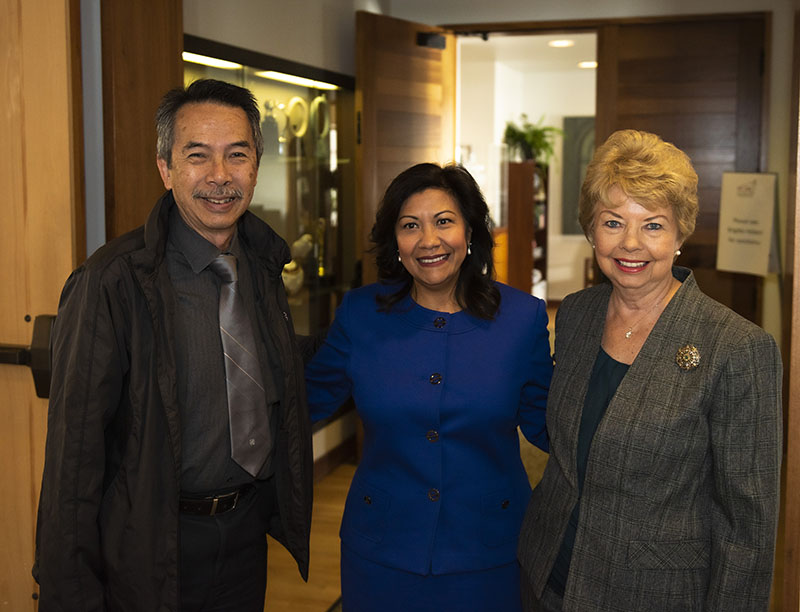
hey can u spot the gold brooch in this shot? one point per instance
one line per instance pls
(688, 357)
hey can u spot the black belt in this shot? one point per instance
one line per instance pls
(213, 505)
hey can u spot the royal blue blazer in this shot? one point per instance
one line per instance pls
(440, 487)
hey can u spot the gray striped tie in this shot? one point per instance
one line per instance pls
(247, 409)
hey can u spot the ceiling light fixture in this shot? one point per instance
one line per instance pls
(209, 61)
(562, 42)
(295, 80)
(587, 64)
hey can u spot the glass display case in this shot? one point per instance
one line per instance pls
(306, 184)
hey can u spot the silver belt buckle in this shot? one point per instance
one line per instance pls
(215, 501)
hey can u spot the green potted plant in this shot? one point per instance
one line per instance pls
(531, 140)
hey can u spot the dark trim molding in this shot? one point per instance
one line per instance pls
(212, 48)
(578, 25)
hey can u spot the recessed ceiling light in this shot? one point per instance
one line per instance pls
(591, 64)
(562, 42)
(209, 61)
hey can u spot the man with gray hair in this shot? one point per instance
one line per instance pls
(178, 433)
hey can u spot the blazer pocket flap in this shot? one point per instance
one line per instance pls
(365, 511)
(671, 554)
(501, 517)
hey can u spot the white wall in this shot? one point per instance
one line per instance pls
(509, 96)
(555, 95)
(475, 134)
(489, 92)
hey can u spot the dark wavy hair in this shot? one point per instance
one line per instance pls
(475, 290)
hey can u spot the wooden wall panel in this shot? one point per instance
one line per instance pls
(142, 45)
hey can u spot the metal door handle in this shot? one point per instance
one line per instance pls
(36, 356)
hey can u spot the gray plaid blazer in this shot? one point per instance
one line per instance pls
(680, 501)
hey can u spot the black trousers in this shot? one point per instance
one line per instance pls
(223, 559)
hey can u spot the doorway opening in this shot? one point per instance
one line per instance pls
(550, 79)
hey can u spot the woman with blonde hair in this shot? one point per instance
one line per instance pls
(664, 415)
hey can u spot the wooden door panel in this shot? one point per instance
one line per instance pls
(695, 131)
(405, 105)
(713, 91)
(407, 130)
(702, 38)
(21, 452)
(429, 94)
(401, 154)
(404, 67)
(43, 239)
(425, 106)
(637, 105)
(698, 84)
(692, 70)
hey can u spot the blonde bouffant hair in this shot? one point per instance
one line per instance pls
(648, 170)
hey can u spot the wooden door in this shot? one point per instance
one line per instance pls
(42, 240)
(698, 83)
(405, 107)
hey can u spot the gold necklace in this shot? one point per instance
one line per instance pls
(629, 333)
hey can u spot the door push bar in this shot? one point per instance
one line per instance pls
(36, 356)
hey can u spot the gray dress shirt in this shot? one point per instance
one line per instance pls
(206, 464)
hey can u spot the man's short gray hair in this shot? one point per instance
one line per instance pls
(204, 90)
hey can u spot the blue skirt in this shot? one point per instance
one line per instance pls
(370, 587)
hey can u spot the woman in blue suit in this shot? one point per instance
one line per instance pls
(443, 364)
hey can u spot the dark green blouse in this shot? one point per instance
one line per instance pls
(607, 374)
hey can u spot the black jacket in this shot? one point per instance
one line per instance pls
(107, 531)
